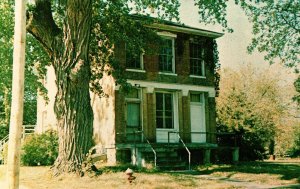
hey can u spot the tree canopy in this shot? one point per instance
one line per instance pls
(276, 30)
(6, 49)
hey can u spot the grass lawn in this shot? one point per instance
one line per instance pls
(40, 178)
(279, 172)
(270, 173)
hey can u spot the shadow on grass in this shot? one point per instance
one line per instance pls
(288, 171)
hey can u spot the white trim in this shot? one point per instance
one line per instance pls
(162, 133)
(197, 76)
(150, 89)
(141, 61)
(173, 86)
(136, 70)
(167, 73)
(138, 100)
(167, 34)
(188, 30)
(185, 92)
(165, 129)
(172, 37)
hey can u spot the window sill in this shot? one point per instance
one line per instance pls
(136, 70)
(198, 76)
(165, 129)
(166, 73)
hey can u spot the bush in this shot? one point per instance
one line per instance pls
(295, 150)
(3, 131)
(40, 149)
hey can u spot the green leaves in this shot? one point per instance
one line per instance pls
(34, 54)
(213, 12)
(276, 30)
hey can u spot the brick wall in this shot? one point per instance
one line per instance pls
(182, 66)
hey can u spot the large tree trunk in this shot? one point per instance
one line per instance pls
(75, 118)
(68, 48)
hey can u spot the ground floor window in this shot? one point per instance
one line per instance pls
(164, 110)
(133, 108)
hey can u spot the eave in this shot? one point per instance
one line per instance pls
(187, 30)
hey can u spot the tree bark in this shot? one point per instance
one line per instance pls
(68, 48)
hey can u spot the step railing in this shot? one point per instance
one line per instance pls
(27, 130)
(144, 138)
(4, 140)
(154, 152)
(185, 146)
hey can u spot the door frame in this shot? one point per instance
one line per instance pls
(162, 133)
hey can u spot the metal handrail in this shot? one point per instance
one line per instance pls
(154, 152)
(27, 129)
(4, 140)
(145, 138)
(186, 148)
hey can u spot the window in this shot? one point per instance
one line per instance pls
(133, 108)
(166, 55)
(197, 54)
(134, 59)
(133, 114)
(164, 110)
(197, 97)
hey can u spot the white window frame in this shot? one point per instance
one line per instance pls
(174, 108)
(136, 100)
(141, 63)
(202, 98)
(168, 35)
(203, 74)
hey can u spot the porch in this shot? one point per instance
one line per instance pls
(174, 154)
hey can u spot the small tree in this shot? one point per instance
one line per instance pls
(252, 104)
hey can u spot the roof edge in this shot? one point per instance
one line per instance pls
(187, 29)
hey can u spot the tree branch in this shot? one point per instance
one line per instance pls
(41, 25)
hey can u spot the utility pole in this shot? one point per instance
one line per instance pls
(16, 117)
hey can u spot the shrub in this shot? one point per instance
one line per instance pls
(3, 131)
(295, 150)
(40, 149)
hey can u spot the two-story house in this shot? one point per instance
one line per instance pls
(170, 111)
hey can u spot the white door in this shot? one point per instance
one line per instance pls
(197, 110)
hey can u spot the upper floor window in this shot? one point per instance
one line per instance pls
(134, 59)
(197, 59)
(166, 62)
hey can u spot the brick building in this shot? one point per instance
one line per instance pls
(170, 111)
